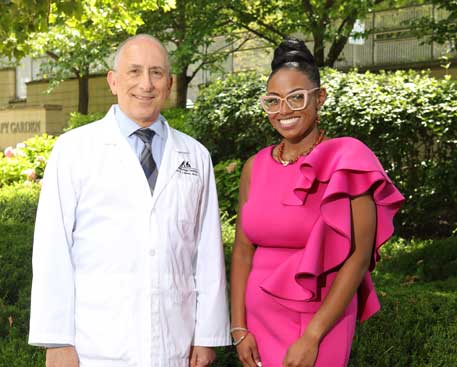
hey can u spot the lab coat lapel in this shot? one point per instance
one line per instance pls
(174, 154)
(120, 150)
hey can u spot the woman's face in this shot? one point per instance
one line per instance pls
(294, 125)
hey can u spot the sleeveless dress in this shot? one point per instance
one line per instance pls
(299, 218)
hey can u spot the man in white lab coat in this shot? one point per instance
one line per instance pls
(128, 267)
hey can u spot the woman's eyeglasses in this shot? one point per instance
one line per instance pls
(297, 100)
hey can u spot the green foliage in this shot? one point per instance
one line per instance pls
(442, 30)
(417, 326)
(408, 119)
(227, 181)
(78, 119)
(17, 20)
(27, 161)
(417, 323)
(420, 261)
(14, 349)
(15, 261)
(18, 202)
(76, 38)
(178, 118)
(15, 283)
(193, 29)
(329, 23)
(228, 119)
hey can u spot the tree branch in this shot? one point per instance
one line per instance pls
(257, 33)
(309, 9)
(52, 55)
(257, 20)
(56, 57)
(338, 44)
(214, 56)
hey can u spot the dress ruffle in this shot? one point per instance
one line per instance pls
(349, 169)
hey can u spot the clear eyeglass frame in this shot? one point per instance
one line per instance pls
(265, 101)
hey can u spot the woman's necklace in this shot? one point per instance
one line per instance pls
(286, 162)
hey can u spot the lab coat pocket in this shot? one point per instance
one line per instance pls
(181, 321)
(103, 311)
(188, 192)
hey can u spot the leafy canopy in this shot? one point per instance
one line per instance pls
(442, 29)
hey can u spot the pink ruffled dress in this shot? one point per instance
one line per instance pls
(299, 218)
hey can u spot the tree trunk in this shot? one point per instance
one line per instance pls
(182, 82)
(319, 49)
(83, 97)
(335, 50)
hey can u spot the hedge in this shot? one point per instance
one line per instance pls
(15, 282)
(409, 119)
(417, 326)
(18, 203)
(176, 117)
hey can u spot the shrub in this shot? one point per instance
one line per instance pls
(178, 118)
(78, 119)
(227, 181)
(15, 284)
(228, 119)
(27, 161)
(409, 119)
(420, 261)
(14, 351)
(416, 327)
(15, 261)
(18, 203)
(417, 323)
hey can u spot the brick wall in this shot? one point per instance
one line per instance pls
(7, 85)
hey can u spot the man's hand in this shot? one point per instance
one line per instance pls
(201, 356)
(62, 357)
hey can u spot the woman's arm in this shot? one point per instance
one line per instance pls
(243, 251)
(345, 285)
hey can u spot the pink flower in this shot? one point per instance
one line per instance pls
(30, 173)
(9, 152)
(20, 145)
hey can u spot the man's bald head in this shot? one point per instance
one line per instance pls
(121, 47)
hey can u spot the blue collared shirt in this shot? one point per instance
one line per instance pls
(128, 127)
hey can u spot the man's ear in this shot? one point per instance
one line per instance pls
(111, 78)
(170, 84)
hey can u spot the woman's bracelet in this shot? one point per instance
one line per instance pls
(236, 342)
(238, 328)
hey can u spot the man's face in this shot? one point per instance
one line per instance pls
(141, 81)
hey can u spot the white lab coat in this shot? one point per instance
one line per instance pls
(130, 279)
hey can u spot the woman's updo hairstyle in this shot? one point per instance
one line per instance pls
(292, 53)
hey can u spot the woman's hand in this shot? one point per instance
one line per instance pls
(247, 350)
(302, 353)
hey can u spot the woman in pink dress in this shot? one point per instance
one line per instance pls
(313, 213)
